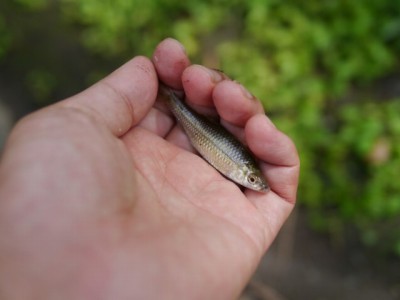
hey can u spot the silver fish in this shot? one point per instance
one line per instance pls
(216, 145)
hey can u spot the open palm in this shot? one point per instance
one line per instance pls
(102, 196)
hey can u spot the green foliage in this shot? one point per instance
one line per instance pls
(301, 58)
(362, 166)
(41, 84)
(122, 26)
(33, 4)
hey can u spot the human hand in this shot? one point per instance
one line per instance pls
(101, 197)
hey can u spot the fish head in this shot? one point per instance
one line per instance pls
(251, 178)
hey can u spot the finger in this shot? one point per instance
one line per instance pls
(207, 87)
(234, 103)
(282, 164)
(199, 82)
(123, 98)
(157, 122)
(170, 59)
(269, 144)
(283, 181)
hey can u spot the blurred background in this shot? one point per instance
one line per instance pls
(328, 73)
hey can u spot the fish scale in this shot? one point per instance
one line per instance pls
(217, 145)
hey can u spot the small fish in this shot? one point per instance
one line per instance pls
(216, 145)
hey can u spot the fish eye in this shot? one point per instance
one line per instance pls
(252, 179)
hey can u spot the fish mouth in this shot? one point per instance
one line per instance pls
(264, 190)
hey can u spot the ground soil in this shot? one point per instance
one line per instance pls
(303, 264)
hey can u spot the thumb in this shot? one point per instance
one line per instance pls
(123, 98)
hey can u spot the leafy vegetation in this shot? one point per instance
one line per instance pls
(302, 59)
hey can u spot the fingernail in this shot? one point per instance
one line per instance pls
(269, 121)
(246, 93)
(215, 76)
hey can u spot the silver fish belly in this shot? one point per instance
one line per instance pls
(216, 145)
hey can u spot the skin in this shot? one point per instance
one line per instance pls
(101, 196)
